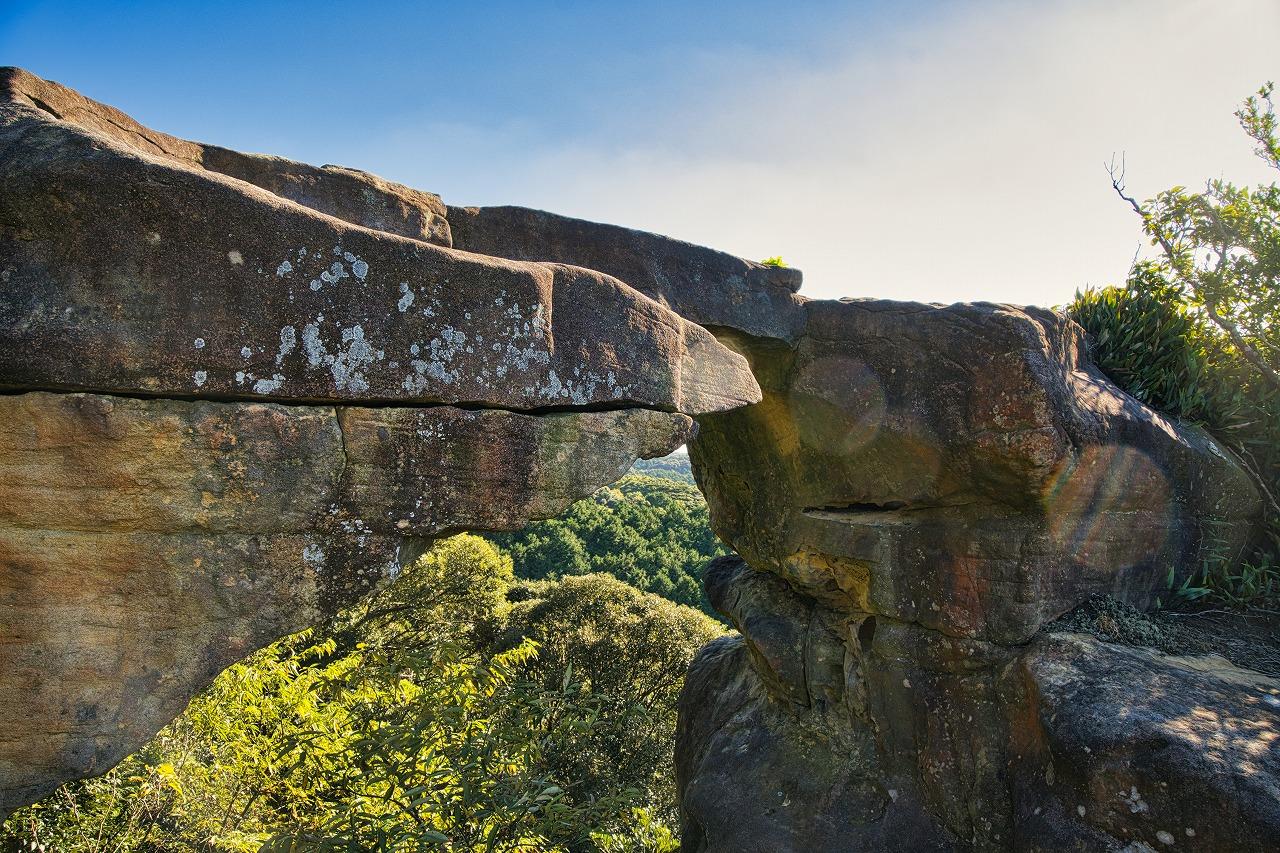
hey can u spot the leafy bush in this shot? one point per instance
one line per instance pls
(424, 718)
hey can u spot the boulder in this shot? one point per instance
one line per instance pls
(921, 490)
(1170, 752)
(965, 468)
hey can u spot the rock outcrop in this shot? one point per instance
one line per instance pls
(920, 492)
(239, 391)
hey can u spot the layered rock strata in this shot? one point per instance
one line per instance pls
(237, 392)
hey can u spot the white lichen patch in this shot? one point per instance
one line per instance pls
(245, 352)
(198, 343)
(200, 377)
(335, 273)
(267, 386)
(349, 365)
(235, 257)
(288, 341)
(407, 297)
(1134, 801)
(285, 267)
(313, 556)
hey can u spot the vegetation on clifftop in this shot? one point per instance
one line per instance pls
(1196, 334)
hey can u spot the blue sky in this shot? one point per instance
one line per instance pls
(928, 150)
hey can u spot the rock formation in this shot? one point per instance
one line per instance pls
(921, 490)
(240, 391)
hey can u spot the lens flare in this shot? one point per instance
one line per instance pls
(1109, 508)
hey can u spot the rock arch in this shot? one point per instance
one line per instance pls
(240, 390)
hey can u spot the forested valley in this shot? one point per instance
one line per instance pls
(513, 692)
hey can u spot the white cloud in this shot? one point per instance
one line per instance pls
(958, 159)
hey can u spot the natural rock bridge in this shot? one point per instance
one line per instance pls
(240, 390)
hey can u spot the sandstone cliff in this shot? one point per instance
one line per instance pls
(239, 391)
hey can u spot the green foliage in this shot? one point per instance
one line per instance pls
(673, 467)
(1147, 340)
(775, 261)
(1221, 247)
(435, 715)
(652, 532)
(628, 648)
(1196, 334)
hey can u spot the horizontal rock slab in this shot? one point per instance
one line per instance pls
(1140, 747)
(146, 544)
(709, 287)
(127, 269)
(347, 194)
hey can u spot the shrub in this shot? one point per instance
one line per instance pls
(403, 726)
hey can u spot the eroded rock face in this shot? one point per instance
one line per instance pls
(920, 491)
(128, 270)
(240, 391)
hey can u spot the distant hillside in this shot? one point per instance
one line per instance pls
(673, 467)
(650, 530)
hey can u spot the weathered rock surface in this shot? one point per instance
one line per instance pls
(129, 269)
(148, 544)
(1144, 747)
(228, 409)
(963, 468)
(920, 491)
(243, 390)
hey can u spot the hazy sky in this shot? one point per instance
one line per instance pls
(940, 151)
